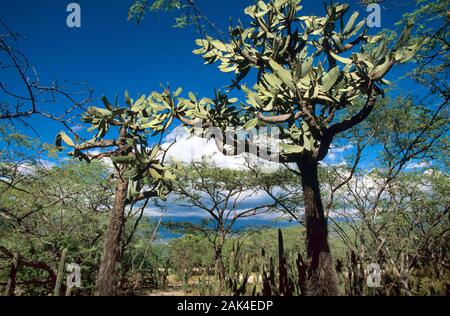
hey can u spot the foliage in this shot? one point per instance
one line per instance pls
(222, 194)
(141, 164)
(144, 265)
(62, 207)
(189, 255)
(292, 79)
(139, 8)
(318, 79)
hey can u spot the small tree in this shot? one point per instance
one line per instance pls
(139, 171)
(222, 194)
(311, 74)
(188, 254)
(61, 207)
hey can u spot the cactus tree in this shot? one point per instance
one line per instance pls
(316, 77)
(139, 169)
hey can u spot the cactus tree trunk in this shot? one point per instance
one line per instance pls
(322, 277)
(107, 276)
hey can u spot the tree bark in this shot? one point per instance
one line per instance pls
(107, 277)
(322, 276)
(220, 267)
(11, 285)
(219, 260)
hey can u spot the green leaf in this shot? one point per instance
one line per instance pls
(126, 160)
(341, 8)
(157, 106)
(178, 92)
(330, 79)
(154, 152)
(103, 112)
(356, 28)
(381, 70)
(337, 41)
(251, 124)
(133, 191)
(351, 22)
(201, 42)
(158, 166)
(192, 97)
(344, 60)
(291, 149)
(280, 3)
(200, 114)
(107, 104)
(407, 53)
(127, 98)
(228, 69)
(373, 39)
(307, 143)
(380, 51)
(154, 174)
(161, 194)
(66, 139)
(131, 173)
(325, 98)
(169, 176)
(283, 74)
(404, 37)
(306, 67)
(220, 46)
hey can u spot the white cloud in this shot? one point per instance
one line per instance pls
(417, 165)
(181, 212)
(191, 148)
(29, 169)
(335, 154)
(105, 160)
(342, 148)
(47, 164)
(246, 200)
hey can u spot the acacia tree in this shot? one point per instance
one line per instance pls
(311, 74)
(398, 198)
(61, 207)
(139, 171)
(222, 194)
(394, 214)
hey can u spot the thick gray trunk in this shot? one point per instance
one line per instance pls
(322, 276)
(107, 277)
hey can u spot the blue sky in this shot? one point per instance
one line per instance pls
(112, 54)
